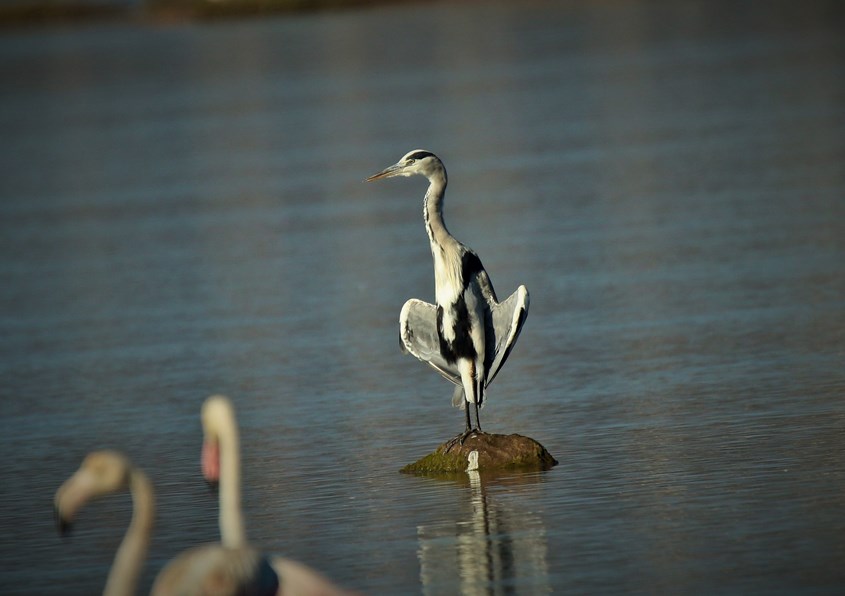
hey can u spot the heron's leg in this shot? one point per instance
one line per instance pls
(477, 418)
(479, 398)
(466, 368)
(461, 437)
(471, 431)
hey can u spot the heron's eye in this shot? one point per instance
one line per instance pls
(411, 160)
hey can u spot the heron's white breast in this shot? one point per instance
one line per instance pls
(448, 283)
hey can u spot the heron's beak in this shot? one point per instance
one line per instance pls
(386, 173)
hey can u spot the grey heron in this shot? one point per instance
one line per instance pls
(467, 334)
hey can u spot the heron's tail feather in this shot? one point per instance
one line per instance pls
(458, 399)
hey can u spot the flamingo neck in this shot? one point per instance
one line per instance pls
(126, 568)
(232, 533)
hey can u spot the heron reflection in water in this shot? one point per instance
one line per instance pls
(488, 549)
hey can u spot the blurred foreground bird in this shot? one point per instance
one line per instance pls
(233, 566)
(103, 473)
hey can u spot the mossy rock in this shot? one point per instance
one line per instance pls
(495, 452)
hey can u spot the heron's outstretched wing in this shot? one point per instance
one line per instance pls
(418, 334)
(507, 319)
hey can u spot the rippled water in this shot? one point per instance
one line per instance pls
(182, 213)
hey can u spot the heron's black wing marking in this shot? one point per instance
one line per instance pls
(486, 287)
(470, 266)
(461, 345)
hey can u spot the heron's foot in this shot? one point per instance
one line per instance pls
(454, 441)
(471, 433)
(462, 437)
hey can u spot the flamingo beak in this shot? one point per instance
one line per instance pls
(211, 462)
(63, 525)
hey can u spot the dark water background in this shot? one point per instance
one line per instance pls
(182, 213)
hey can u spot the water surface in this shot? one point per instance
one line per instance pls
(183, 214)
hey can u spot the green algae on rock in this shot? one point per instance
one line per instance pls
(495, 452)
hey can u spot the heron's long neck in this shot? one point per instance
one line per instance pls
(232, 533)
(433, 212)
(126, 568)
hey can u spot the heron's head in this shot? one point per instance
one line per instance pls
(418, 161)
